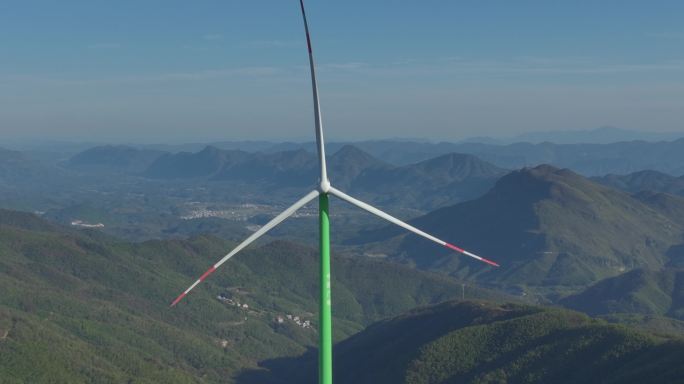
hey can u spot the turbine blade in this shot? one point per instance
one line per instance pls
(267, 227)
(320, 143)
(394, 220)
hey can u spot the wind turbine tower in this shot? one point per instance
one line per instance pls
(323, 192)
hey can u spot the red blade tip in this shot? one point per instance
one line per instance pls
(207, 273)
(455, 248)
(179, 298)
(490, 262)
(463, 251)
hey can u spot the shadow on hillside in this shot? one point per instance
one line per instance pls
(676, 256)
(285, 370)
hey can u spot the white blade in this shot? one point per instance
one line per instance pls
(317, 105)
(276, 220)
(404, 225)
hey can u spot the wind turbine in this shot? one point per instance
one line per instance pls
(324, 190)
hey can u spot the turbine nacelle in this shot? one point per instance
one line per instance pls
(324, 186)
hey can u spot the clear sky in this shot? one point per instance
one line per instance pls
(170, 71)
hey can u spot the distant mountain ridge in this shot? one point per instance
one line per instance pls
(208, 162)
(621, 157)
(587, 159)
(647, 180)
(288, 168)
(601, 135)
(111, 158)
(442, 180)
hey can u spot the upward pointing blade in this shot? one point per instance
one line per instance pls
(317, 105)
(402, 224)
(276, 220)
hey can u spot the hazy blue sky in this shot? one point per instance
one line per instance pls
(213, 70)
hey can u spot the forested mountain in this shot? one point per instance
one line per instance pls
(476, 342)
(546, 227)
(78, 306)
(639, 291)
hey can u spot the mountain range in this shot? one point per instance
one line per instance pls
(587, 159)
(601, 135)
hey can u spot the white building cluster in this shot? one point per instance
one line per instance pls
(80, 223)
(295, 319)
(280, 319)
(229, 301)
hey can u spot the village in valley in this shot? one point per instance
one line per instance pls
(278, 318)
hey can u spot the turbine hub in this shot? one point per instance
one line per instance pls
(324, 186)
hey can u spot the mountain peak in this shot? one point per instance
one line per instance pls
(549, 226)
(551, 173)
(349, 162)
(210, 149)
(351, 150)
(540, 182)
(458, 166)
(350, 154)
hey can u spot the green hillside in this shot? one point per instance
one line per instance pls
(636, 292)
(669, 205)
(83, 307)
(477, 342)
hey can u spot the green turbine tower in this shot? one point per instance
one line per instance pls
(324, 190)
